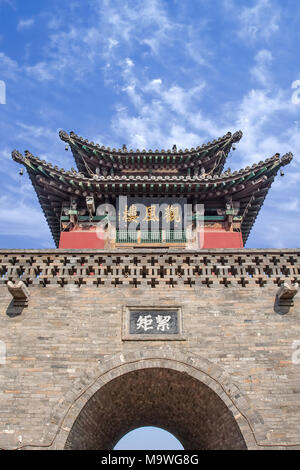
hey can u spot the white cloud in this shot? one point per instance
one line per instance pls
(198, 52)
(146, 22)
(21, 218)
(155, 83)
(112, 43)
(129, 62)
(20, 213)
(260, 71)
(6, 166)
(44, 143)
(257, 114)
(181, 100)
(116, 26)
(260, 21)
(39, 71)
(291, 205)
(8, 67)
(165, 115)
(25, 24)
(34, 132)
(134, 96)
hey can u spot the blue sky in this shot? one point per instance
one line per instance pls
(148, 438)
(149, 74)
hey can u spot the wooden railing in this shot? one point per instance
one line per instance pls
(151, 236)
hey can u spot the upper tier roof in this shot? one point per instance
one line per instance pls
(210, 157)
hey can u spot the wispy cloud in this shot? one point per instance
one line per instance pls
(291, 205)
(40, 72)
(11, 3)
(259, 115)
(22, 219)
(8, 67)
(260, 21)
(261, 70)
(20, 213)
(25, 23)
(113, 30)
(163, 114)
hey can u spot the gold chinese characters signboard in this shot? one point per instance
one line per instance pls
(159, 213)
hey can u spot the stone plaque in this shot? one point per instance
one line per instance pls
(151, 323)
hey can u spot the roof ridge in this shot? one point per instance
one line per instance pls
(229, 136)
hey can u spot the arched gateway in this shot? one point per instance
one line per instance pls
(193, 399)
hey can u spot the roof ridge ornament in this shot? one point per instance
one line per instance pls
(64, 136)
(17, 156)
(236, 137)
(287, 158)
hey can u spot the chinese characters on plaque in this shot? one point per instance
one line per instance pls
(171, 213)
(155, 322)
(155, 212)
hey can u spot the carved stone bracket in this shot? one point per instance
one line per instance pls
(20, 293)
(285, 298)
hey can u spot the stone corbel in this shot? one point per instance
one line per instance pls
(20, 293)
(285, 298)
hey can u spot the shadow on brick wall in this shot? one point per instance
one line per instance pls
(14, 310)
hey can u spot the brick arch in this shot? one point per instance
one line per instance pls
(187, 395)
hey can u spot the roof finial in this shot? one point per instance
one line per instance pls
(64, 136)
(287, 158)
(174, 148)
(237, 136)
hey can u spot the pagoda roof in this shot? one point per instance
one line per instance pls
(211, 156)
(249, 186)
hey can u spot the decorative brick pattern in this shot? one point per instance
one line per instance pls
(168, 268)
